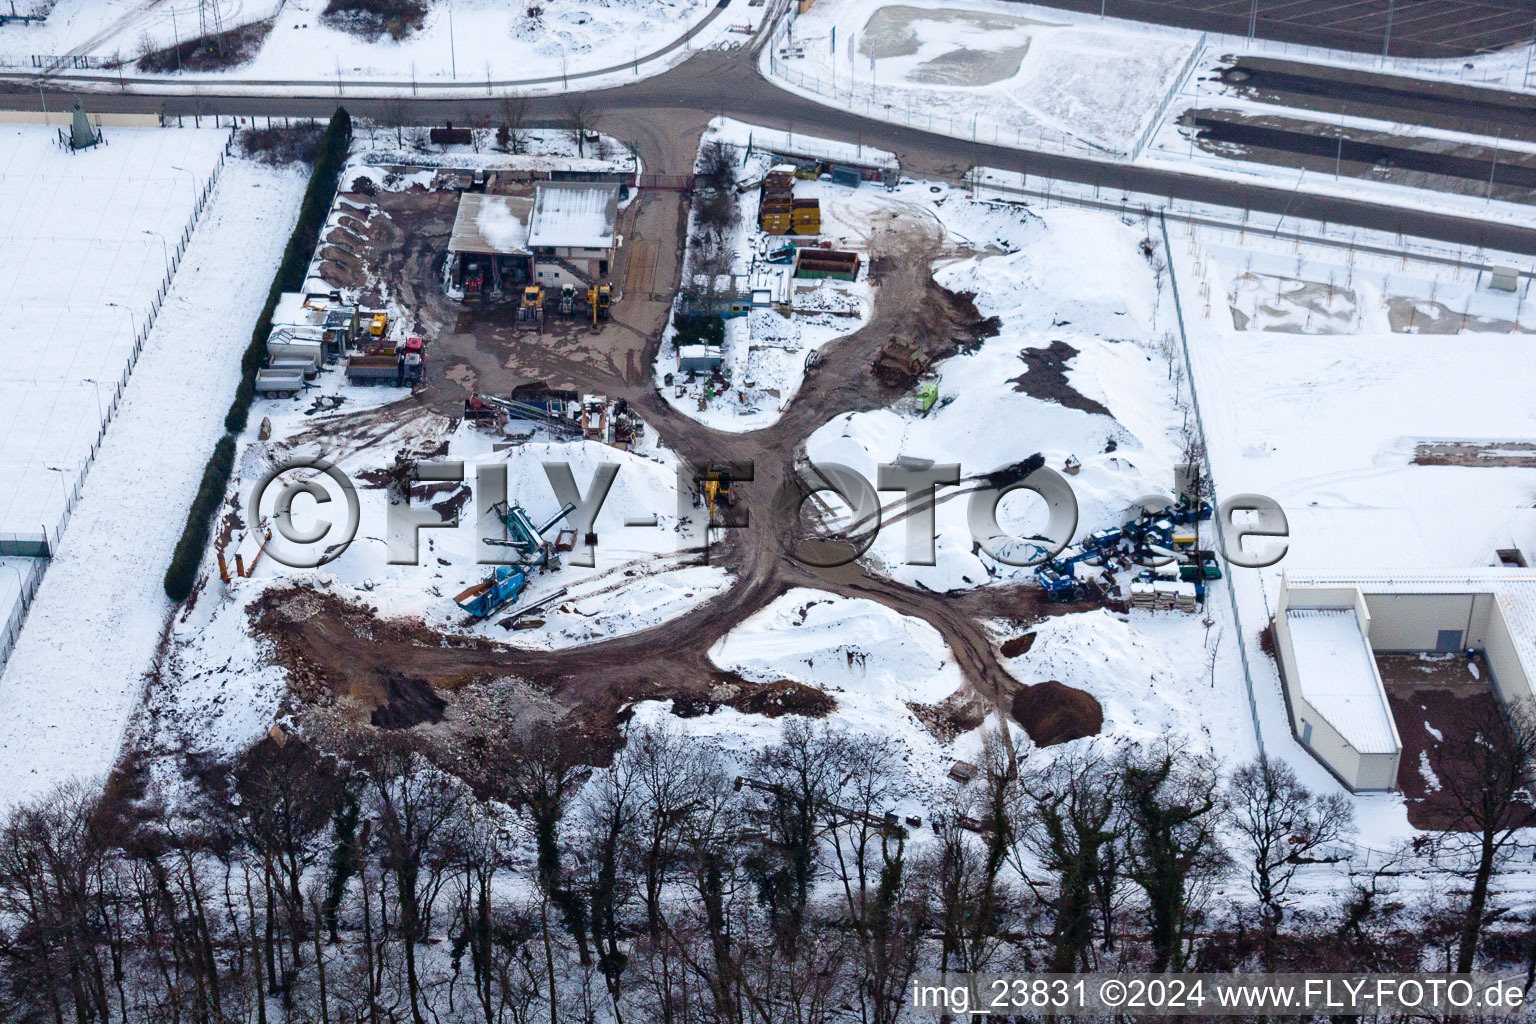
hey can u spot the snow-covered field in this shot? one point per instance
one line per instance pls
(459, 46)
(997, 72)
(86, 240)
(1323, 414)
(77, 673)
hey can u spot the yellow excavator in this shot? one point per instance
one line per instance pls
(715, 485)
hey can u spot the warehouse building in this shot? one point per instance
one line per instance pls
(572, 234)
(1330, 627)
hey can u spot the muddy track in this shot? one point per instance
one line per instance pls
(596, 681)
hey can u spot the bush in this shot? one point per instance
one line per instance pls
(323, 180)
(373, 18)
(182, 575)
(213, 52)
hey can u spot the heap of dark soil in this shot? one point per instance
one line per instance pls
(1046, 378)
(1053, 712)
(771, 700)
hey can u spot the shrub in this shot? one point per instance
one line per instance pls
(182, 575)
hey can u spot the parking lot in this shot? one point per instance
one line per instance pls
(1420, 28)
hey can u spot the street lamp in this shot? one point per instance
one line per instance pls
(165, 250)
(97, 386)
(133, 320)
(62, 488)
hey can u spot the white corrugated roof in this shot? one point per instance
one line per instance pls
(1337, 676)
(490, 224)
(1513, 589)
(574, 215)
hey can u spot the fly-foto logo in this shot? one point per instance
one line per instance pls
(314, 513)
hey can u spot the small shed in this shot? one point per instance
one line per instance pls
(963, 771)
(1503, 279)
(699, 358)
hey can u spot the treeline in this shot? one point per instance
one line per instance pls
(390, 879)
(181, 574)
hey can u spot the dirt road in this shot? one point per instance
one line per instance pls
(484, 349)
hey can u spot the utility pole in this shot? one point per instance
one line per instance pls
(1386, 39)
(1253, 21)
(1338, 159)
(1498, 138)
(453, 60)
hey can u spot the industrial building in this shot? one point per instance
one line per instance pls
(488, 252)
(572, 234)
(1330, 626)
(563, 234)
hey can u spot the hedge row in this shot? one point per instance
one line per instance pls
(323, 180)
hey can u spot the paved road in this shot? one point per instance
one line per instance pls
(1419, 28)
(672, 105)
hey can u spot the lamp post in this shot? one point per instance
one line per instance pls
(95, 384)
(133, 320)
(165, 250)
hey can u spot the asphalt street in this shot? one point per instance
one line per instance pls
(715, 82)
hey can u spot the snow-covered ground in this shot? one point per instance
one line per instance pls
(1318, 401)
(996, 72)
(1066, 276)
(86, 241)
(459, 48)
(874, 662)
(640, 573)
(91, 636)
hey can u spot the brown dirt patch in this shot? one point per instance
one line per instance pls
(1046, 378)
(1440, 693)
(771, 700)
(1054, 712)
(1018, 645)
(1508, 454)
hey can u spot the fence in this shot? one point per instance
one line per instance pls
(1174, 88)
(44, 545)
(28, 583)
(1194, 401)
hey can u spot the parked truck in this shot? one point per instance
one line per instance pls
(403, 366)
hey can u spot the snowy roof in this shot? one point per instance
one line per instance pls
(1337, 676)
(1513, 589)
(576, 215)
(490, 224)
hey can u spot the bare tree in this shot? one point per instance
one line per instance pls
(1486, 780)
(717, 165)
(1281, 825)
(513, 133)
(1068, 824)
(581, 120)
(1171, 850)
